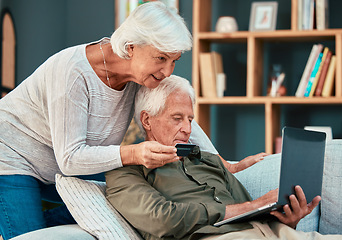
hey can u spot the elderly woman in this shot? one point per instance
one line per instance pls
(72, 113)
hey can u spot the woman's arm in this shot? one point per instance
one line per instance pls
(199, 138)
(244, 163)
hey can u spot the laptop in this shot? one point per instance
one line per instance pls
(302, 160)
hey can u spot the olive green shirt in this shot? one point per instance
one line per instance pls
(181, 200)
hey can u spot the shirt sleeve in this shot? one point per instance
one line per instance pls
(147, 210)
(199, 138)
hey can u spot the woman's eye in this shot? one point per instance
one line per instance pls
(161, 58)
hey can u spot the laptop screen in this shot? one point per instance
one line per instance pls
(302, 163)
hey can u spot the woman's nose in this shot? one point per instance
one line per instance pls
(167, 70)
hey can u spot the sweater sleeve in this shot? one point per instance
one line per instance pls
(85, 137)
(147, 210)
(69, 119)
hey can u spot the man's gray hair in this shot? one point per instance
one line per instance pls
(152, 100)
(153, 24)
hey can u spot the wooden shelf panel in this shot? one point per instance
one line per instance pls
(278, 35)
(268, 100)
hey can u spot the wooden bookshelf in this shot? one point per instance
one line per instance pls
(204, 37)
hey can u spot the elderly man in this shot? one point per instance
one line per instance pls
(183, 199)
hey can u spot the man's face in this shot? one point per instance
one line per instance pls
(173, 124)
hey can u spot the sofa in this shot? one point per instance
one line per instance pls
(97, 219)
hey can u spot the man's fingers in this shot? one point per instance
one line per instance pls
(314, 203)
(301, 196)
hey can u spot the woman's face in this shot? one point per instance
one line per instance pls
(150, 66)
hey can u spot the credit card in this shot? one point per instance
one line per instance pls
(183, 149)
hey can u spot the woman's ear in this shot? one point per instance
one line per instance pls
(130, 49)
(145, 120)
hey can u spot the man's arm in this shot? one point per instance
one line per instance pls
(147, 210)
(291, 216)
(237, 209)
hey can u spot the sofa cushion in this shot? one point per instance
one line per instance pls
(65, 232)
(87, 203)
(331, 206)
(263, 177)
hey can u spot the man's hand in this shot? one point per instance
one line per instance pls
(151, 154)
(244, 163)
(240, 208)
(298, 210)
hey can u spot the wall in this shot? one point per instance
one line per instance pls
(44, 27)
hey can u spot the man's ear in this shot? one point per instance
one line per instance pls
(145, 120)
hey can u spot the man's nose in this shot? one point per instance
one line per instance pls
(186, 128)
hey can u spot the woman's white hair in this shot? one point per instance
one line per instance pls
(153, 24)
(152, 100)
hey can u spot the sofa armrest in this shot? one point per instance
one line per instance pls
(331, 205)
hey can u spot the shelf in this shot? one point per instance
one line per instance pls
(278, 35)
(269, 100)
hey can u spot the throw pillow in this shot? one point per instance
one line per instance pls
(87, 203)
(331, 205)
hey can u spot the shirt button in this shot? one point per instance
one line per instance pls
(217, 199)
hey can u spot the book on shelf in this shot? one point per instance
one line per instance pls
(318, 74)
(220, 77)
(330, 78)
(299, 14)
(315, 51)
(308, 15)
(313, 75)
(312, 14)
(208, 83)
(217, 62)
(322, 14)
(322, 77)
(211, 70)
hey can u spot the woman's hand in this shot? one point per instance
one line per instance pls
(251, 160)
(151, 154)
(298, 210)
(244, 163)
